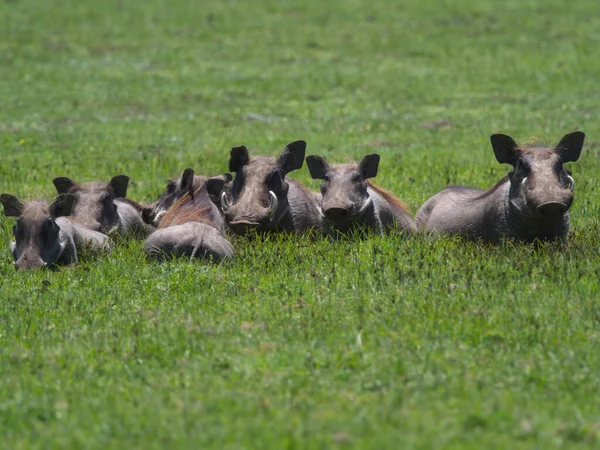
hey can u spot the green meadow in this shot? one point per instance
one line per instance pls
(300, 342)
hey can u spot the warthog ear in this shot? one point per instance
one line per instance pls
(317, 166)
(13, 207)
(292, 157)
(63, 184)
(238, 158)
(368, 166)
(569, 147)
(215, 185)
(505, 149)
(62, 206)
(186, 184)
(119, 185)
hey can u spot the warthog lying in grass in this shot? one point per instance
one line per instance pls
(103, 207)
(44, 236)
(176, 189)
(349, 200)
(262, 198)
(192, 224)
(531, 203)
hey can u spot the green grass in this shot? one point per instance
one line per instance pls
(300, 343)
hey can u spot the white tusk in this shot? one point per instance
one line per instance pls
(274, 204)
(572, 182)
(524, 181)
(224, 202)
(365, 205)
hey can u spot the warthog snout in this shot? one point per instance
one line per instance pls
(25, 262)
(337, 214)
(552, 209)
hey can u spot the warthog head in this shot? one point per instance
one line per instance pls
(176, 189)
(37, 241)
(258, 195)
(94, 207)
(344, 187)
(539, 184)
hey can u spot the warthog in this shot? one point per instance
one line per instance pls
(176, 189)
(262, 198)
(349, 200)
(103, 206)
(44, 236)
(192, 224)
(531, 203)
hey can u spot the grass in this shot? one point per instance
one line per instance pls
(300, 343)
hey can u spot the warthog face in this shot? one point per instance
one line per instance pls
(187, 183)
(539, 185)
(94, 207)
(37, 241)
(344, 188)
(258, 195)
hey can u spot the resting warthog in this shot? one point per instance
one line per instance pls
(529, 204)
(44, 236)
(349, 200)
(262, 198)
(176, 189)
(103, 206)
(192, 224)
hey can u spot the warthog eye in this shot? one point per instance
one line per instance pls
(326, 179)
(357, 178)
(274, 180)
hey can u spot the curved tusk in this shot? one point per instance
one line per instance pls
(224, 202)
(524, 181)
(365, 205)
(274, 204)
(571, 182)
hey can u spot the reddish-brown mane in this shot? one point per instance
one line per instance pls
(190, 208)
(389, 196)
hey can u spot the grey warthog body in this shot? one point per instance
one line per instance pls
(531, 203)
(103, 207)
(262, 198)
(189, 222)
(44, 236)
(349, 200)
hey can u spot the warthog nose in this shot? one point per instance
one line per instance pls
(241, 227)
(551, 209)
(335, 214)
(27, 264)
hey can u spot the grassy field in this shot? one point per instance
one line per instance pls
(300, 343)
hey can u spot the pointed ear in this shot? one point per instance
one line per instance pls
(186, 183)
(62, 205)
(569, 147)
(63, 184)
(292, 157)
(505, 149)
(368, 166)
(119, 185)
(238, 158)
(317, 166)
(13, 207)
(215, 185)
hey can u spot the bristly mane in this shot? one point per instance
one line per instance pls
(389, 196)
(493, 189)
(195, 207)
